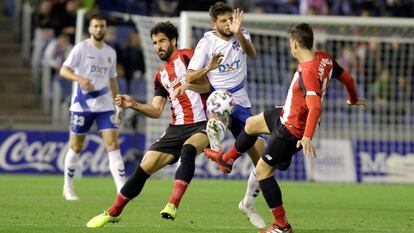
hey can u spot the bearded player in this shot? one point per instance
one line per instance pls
(185, 137)
(221, 55)
(91, 65)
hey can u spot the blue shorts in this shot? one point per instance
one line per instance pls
(81, 122)
(238, 120)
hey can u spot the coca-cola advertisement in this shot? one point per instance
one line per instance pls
(44, 152)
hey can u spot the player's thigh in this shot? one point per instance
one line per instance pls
(106, 121)
(199, 141)
(238, 120)
(110, 139)
(155, 160)
(263, 170)
(256, 125)
(76, 142)
(256, 151)
(280, 148)
(81, 122)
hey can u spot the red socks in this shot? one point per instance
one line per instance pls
(180, 186)
(118, 206)
(280, 216)
(230, 156)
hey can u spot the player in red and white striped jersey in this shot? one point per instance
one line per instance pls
(187, 108)
(292, 127)
(185, 137)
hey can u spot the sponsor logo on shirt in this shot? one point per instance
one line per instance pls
(98, 69)
(229, 66)
(167, 84)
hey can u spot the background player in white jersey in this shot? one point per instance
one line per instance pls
(91, 65)
(221, 55)
(185, 137)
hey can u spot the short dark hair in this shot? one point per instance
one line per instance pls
(96, 17)
(219, 8)
(169, 29)
(303, 34)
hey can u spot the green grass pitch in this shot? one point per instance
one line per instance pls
(33, 204)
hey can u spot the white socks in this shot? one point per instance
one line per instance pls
(116, 165)
(71, 160)
(253, 190)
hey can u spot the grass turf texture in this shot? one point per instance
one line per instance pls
(34, 204)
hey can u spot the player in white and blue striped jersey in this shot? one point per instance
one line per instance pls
(91, 65)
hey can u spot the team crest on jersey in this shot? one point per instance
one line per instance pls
(236, 45)
(109, 60)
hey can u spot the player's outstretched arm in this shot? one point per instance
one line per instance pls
(349, 83)
(235, 27)
(203, 86)
(313, 102)
(113, 84)
(153, 110)
(84, 83)
(194, 76)
(308, 149)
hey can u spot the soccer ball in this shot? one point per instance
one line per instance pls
(221, 103)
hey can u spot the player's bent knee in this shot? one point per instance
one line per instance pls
(263, 170)
(251, 126)
(155, 160)
(188, 153)
(110, 146)
(76, 147)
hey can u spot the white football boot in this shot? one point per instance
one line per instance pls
(69, 194)
(254, 217)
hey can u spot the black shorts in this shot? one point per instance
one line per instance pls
(282, 144)
(173, 139)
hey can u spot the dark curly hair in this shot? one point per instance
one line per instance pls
(169, 29)
(219, 8)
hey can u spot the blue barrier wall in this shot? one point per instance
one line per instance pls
(44, 152)
(338, 160)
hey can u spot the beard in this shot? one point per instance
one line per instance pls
(167, 54)
(223, 33)
(98, 38)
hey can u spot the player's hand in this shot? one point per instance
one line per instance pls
(179, 91)
(361, 101)
(118, 115)
(215, 61)
(85, 84)
(307, 146)
(124, 101)
(236, 23)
